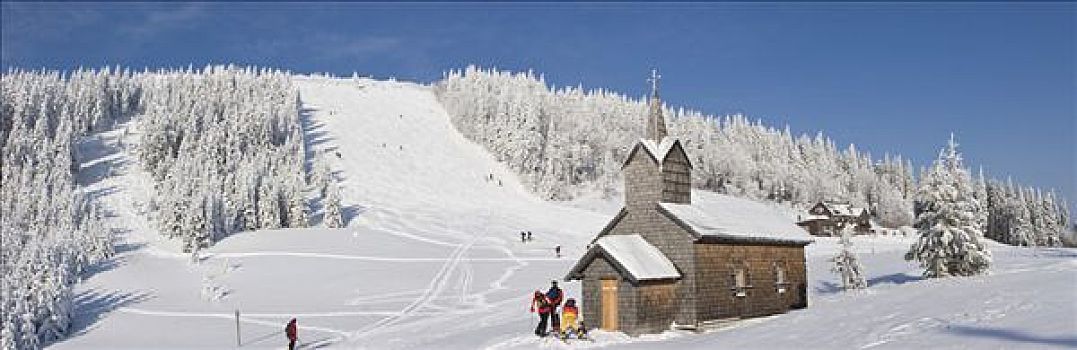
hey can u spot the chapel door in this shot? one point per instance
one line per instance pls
(609, 305)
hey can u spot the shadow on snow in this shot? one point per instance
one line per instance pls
(1013, 336)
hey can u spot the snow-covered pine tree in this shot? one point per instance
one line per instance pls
(233, 132)
(320, 175)
(333, 216)
(847, 263)
(1021, 229)
(979, 192)
(49, 232)
(298, 210)
(1046, 217)
(950, 241)
(891, 208)
(269, 206)
(565, 141)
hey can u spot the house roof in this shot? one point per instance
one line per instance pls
(633, 255)
(843, 209)
(839, 209)
(706, 227)
(812, 217)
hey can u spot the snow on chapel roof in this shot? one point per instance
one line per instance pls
(641, 260)
(659, 150)
(655, 149)
(707, 226)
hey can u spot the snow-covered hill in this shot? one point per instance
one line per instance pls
(431, 258)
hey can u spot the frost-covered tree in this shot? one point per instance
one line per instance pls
(49, 232)
(226, 149)
(211, 139)
(333, 216)
(320, 174)
(847, 263)
(950, 241)
(565, 141)
(891, 208)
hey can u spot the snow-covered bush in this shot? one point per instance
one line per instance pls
(211, 291)
(950, 224)
(847, 263)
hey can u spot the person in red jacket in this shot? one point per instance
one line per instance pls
(542, 306)
(292, 331)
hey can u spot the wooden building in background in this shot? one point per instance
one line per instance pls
(830, 218)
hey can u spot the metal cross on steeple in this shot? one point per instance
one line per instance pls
(654, 81)
(656, 125)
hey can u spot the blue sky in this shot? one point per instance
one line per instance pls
(888, 77)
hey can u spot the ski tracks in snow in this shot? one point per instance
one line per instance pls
(246, 318)
(995, 308)
(436, 287)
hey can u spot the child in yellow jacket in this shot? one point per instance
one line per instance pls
(569, 316)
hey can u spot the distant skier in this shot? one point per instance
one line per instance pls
(292, 331)
(540, 304)
(528, 235)
(557, 251)
(554, 296)
(523, 237)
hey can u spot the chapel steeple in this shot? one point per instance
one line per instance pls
(656, 124)
(657, 170)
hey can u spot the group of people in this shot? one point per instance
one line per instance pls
(525, 236)
(563, 324)
(491, 178)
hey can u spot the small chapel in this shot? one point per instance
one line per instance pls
(663, 263)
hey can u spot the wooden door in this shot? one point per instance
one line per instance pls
(609, 305)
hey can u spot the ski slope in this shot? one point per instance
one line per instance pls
(431, 258)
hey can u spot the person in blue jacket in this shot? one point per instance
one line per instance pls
(554, 295)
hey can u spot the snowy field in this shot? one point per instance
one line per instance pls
(431, 258)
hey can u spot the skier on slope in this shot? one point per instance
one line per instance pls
(540, 304)
(292, 332)
(554, 295)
